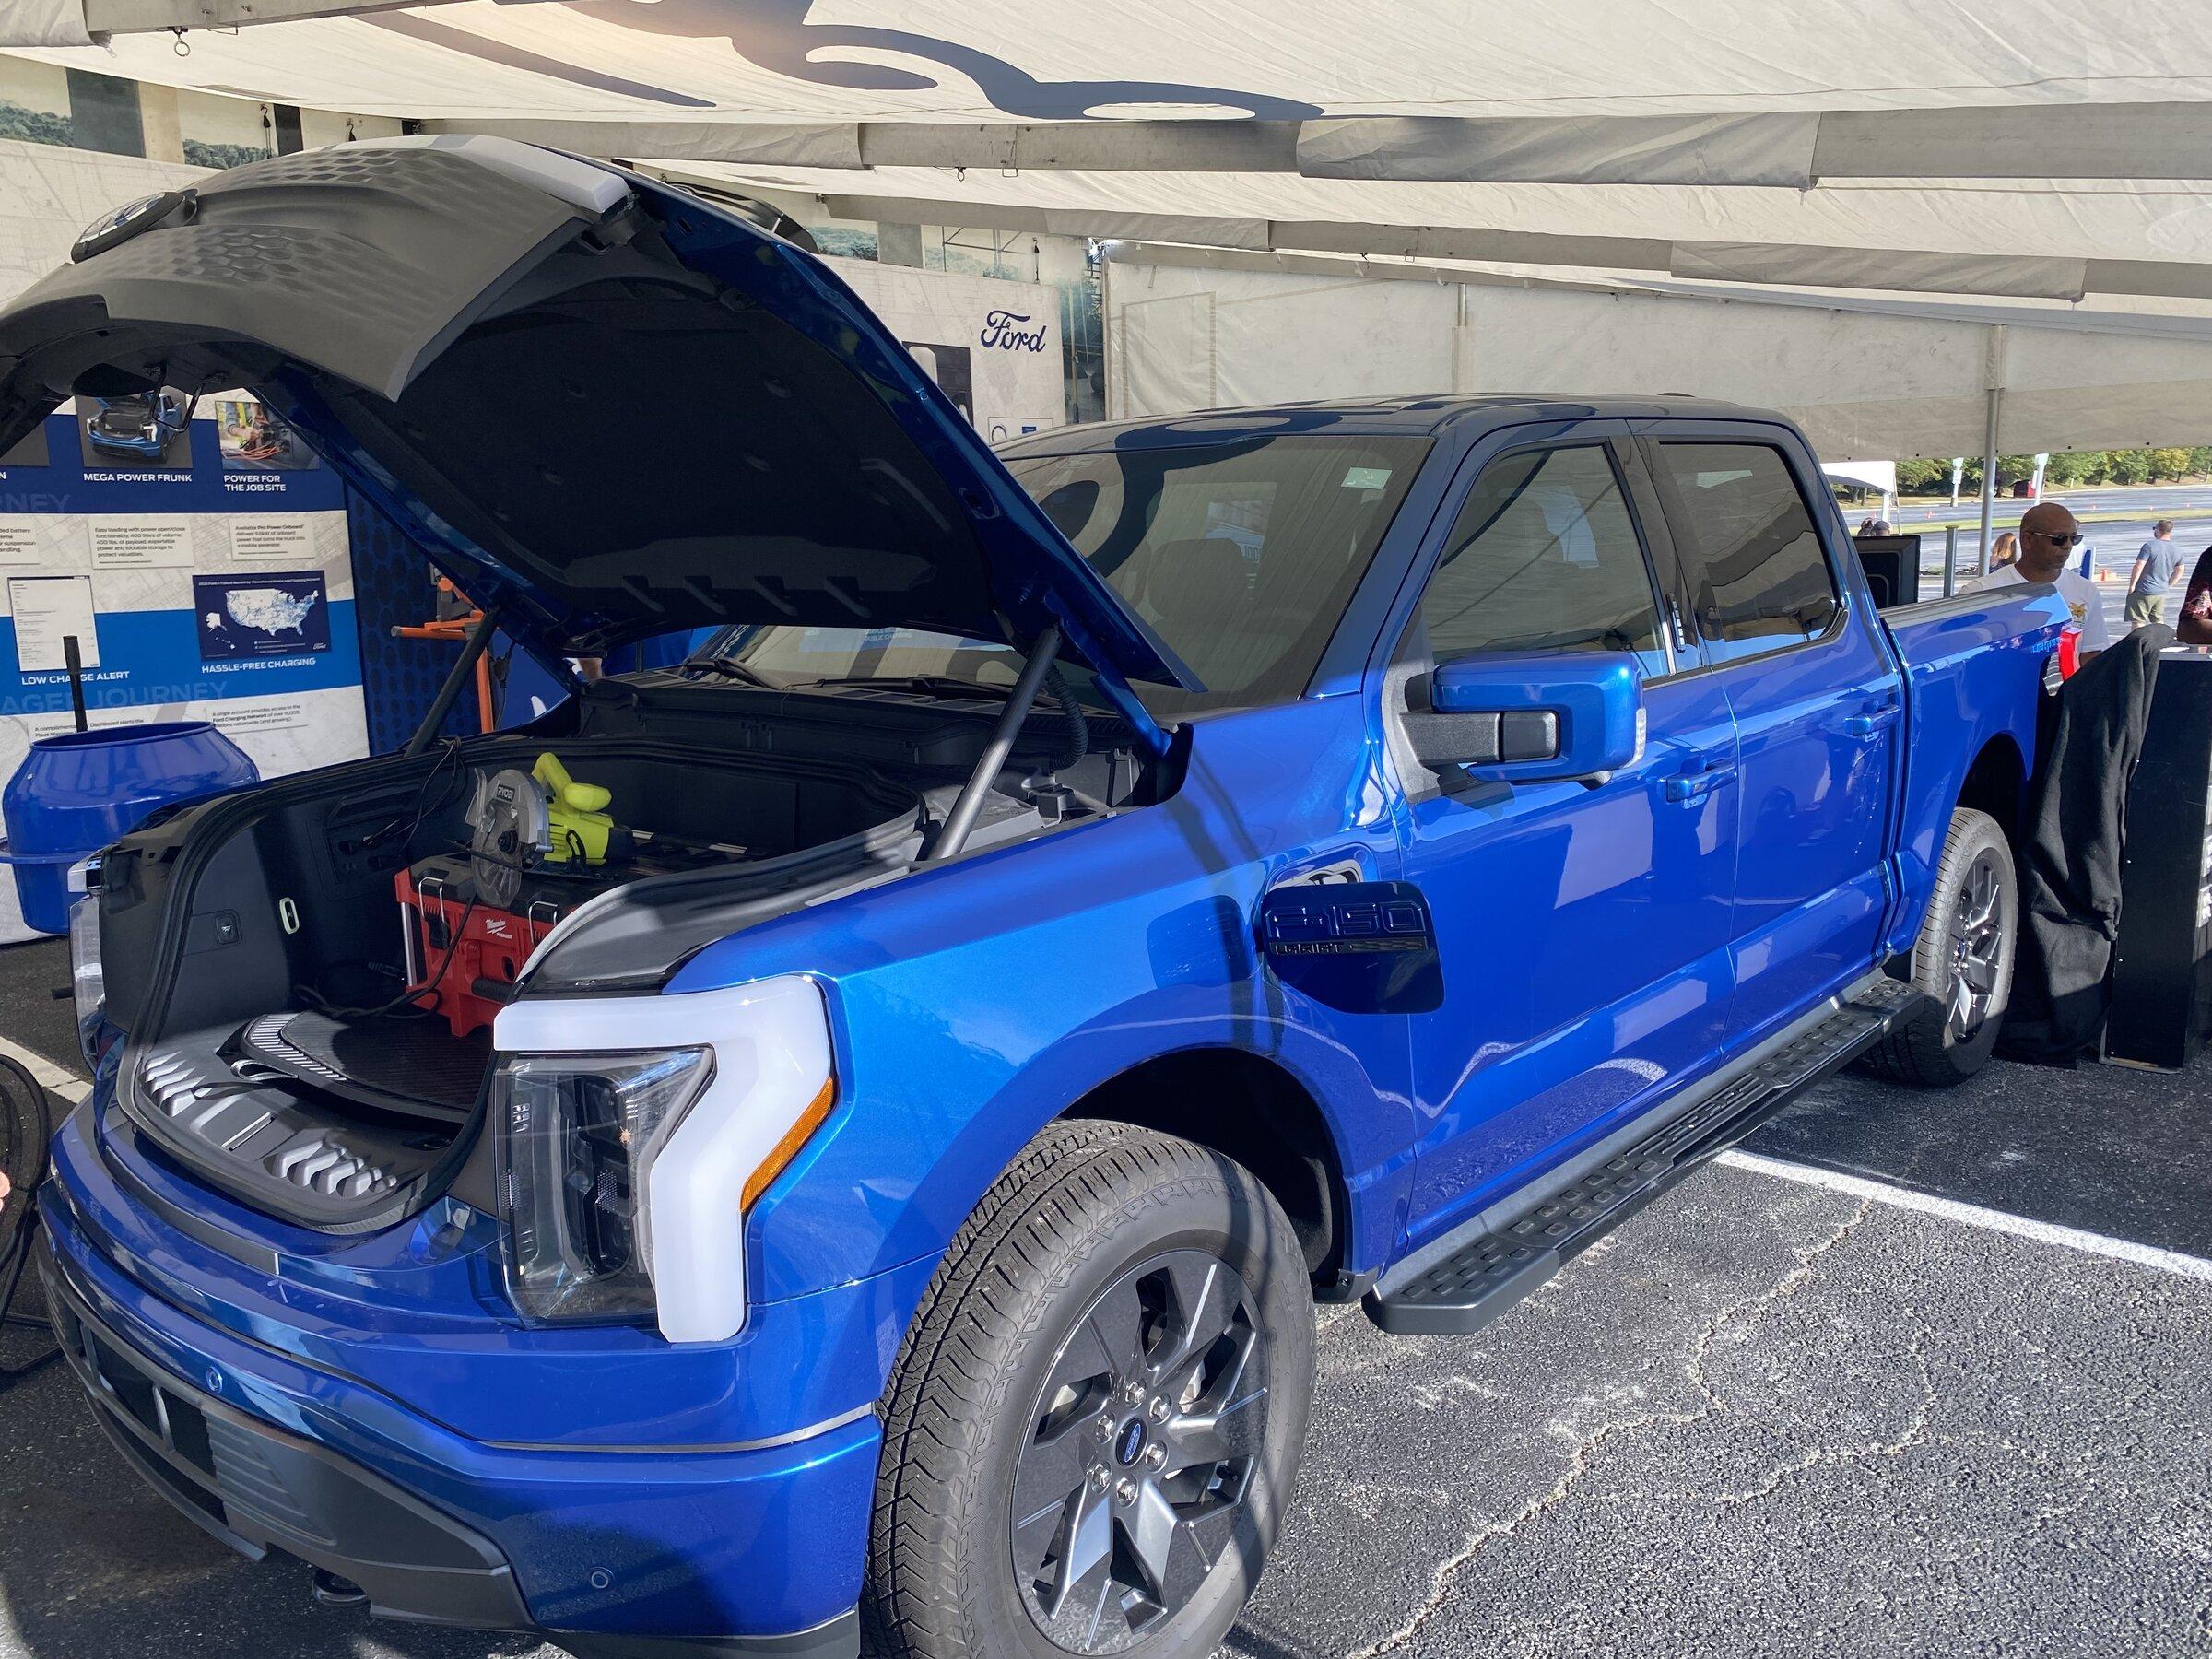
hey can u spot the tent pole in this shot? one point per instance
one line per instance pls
(1109, 370)
(1989, 477)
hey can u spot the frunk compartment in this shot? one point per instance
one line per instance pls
(343, 947)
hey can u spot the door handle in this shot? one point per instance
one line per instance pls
(1695, 785)
(1868, 722)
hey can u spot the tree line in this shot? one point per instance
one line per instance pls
(2066, 467)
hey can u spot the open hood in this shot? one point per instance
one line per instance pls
(609, 408)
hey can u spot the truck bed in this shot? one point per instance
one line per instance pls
(1975, 670)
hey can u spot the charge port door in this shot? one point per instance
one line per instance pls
(1358, 947)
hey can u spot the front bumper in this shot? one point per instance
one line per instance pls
(611, 1555)
(256, 1487)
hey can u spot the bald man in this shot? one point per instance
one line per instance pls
(2048, 538)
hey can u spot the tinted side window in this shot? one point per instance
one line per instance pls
(1544, 556)
(1756, 565)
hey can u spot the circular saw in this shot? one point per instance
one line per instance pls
(510, 829)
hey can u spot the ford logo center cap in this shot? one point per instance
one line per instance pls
(124, 222)
(1130, 1445)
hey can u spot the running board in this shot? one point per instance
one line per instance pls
(1465, 1289)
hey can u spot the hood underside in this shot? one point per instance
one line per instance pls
(607, 408)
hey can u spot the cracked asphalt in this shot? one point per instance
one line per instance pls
(1763, 1419)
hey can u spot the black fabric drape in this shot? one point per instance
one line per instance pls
(2070, 880)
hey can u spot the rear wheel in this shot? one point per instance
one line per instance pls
(1095, 1420)
(1963, 959)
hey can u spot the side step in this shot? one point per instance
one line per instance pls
(1464, 1290)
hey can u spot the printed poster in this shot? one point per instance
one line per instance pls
(272, 613)
(46, 610)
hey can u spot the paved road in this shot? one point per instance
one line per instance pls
(1917, 1415)
(2154, 500)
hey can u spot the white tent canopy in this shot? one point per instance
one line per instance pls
(1604, 169)
(1767, 142)
(1878, 476)
(1869, 380)
(2027, 147)
(1051, 59)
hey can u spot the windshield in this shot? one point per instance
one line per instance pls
(1243, 554)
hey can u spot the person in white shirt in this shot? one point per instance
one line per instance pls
(2048, 534)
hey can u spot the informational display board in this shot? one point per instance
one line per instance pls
(200, 557)
(992, 346)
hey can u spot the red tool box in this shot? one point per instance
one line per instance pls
(470, 978)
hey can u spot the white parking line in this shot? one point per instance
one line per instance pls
(1974, 1214)
(56, 1079)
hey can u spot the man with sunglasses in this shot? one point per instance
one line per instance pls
(2048, 535)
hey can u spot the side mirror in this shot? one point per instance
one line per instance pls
(1533, 716)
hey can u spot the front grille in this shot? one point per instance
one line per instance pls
(244, 1476)
(171, 1419)
(257, 1486)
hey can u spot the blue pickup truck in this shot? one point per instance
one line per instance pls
(838, 1141)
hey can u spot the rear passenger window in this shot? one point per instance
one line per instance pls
(1755, 562)
(1544, 556)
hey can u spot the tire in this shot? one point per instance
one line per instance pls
(1963, 958)
(26, 1127)
(1104, 1252)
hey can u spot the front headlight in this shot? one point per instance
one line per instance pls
(633, 1135)
(580, 1141)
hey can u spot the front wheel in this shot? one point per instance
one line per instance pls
(1963, 959)
(1095, 1419)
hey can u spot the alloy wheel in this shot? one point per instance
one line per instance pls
(1143, 1446)
(1977, 948)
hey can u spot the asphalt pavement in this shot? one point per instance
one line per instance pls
(1910, 1374)
(2152, 500)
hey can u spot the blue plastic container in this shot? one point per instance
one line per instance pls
(76, 792)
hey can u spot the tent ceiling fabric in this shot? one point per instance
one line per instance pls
(1601, 156)
(2080, 141)
(2018, 147)
(2100, 240)
(1058, 60)
(1197, 328)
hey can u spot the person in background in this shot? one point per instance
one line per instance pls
(2004, 550)
(2194, 626)
(1865, 526)
(2048, 534)
(2157, 562)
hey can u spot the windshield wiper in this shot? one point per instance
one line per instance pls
(728, 669)
(927, 685)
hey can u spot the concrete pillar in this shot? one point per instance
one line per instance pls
(164, 127)
(899, 244)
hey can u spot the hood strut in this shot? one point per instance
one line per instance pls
(479, 638)
(961, 818)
